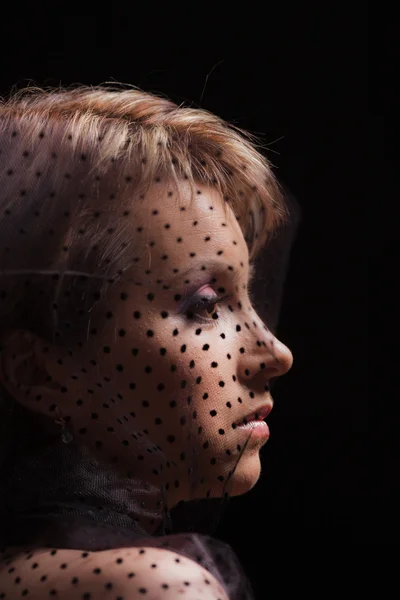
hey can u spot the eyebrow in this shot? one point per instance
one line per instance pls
(213, 266)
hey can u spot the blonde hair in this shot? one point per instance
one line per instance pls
(54, 141)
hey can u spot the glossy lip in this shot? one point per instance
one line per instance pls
(262, 412)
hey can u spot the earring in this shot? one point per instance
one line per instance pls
(66, 435)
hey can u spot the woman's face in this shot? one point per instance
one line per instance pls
(151, 368)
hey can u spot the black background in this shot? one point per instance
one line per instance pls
(296, 75)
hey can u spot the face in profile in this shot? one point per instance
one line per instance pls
(176, 354)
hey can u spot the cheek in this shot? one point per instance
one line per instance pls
(149, 366)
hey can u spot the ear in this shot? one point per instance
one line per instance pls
(23, 368)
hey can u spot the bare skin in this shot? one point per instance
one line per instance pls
(225, 361)
(124, 573)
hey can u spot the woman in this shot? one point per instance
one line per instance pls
(135, 372)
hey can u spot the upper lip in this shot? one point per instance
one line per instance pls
(261, 411)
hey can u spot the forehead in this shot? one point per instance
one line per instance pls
(185, 222)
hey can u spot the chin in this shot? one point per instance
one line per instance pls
(246, 475)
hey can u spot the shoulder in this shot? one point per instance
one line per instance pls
(126, 573)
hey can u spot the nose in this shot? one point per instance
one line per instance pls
(281, 358)
(272, 361)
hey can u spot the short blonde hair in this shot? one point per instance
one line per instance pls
(54, 140)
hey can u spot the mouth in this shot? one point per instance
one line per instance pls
(258, 415)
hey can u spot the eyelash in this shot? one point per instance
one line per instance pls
(205, 303)
(210, 302)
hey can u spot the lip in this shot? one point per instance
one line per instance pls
(261, 411)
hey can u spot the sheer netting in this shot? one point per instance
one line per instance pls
(132, 347)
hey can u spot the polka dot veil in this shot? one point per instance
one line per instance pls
(143, 254)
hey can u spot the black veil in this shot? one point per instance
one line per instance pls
(55, 493)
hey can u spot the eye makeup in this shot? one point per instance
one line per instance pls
(198, 280)
(194, 300)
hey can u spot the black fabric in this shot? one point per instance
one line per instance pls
(58, 495)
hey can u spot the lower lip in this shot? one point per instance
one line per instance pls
(259, 429)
